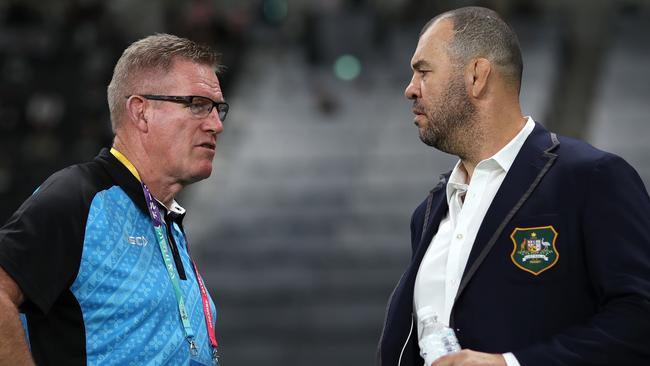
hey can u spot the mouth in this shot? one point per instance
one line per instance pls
(417, 111)
(417, 108)
(208, 145)
(418, 115)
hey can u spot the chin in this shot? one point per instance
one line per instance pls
(201, 173)
(204, 174)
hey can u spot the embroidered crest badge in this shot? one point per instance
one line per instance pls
(534, 248)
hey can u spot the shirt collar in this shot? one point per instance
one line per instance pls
(503, 159)
(457, 180)
(175, 212)
(506, 156)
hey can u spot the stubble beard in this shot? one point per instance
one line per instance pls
(451, 124)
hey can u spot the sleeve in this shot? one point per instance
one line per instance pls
(616, 231)
(511, 360)
(41, 244)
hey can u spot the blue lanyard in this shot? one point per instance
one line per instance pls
(154, 212)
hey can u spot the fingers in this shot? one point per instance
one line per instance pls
(450, 359)
(468, 357)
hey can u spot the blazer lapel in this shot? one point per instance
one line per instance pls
(435, 210)
(400, 302)
(532, 162)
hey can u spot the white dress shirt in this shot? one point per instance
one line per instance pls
(444, 262)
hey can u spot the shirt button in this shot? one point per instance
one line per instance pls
(459, 236)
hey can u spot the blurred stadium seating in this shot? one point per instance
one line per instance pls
(303, 228)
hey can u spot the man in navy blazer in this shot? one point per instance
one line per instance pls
(535, 249)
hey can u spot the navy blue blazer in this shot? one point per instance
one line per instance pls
(585, 303)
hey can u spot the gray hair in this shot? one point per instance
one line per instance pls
(481, 32)
(154, 53)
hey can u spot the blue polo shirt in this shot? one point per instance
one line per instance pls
(84, 253)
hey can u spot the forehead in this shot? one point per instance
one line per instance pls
(190, 78)
(432, 45)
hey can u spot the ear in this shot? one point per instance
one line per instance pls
(478, 73)
(136, 112)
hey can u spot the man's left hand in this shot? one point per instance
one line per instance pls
(468, 357)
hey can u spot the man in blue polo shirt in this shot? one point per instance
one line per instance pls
(97, 259)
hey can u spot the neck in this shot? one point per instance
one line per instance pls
(162, 188)
(469, 169)
(497, 131)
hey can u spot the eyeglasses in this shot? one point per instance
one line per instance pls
(199, 106)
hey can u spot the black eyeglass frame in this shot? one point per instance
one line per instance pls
(222, 107)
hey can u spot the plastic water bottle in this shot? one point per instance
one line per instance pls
(437, 339)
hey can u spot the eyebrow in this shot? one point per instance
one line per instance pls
(419, 64)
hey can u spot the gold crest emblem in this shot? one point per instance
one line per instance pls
(534, 248)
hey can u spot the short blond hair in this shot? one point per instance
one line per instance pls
(154, 53)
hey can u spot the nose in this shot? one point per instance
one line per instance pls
(412, 91)
(213, 123)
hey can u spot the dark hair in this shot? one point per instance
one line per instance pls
(481, 32)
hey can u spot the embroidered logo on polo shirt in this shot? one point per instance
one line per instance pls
(534, 248)
(140, 241)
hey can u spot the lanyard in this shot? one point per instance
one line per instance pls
(154, 213)
(208, 316)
